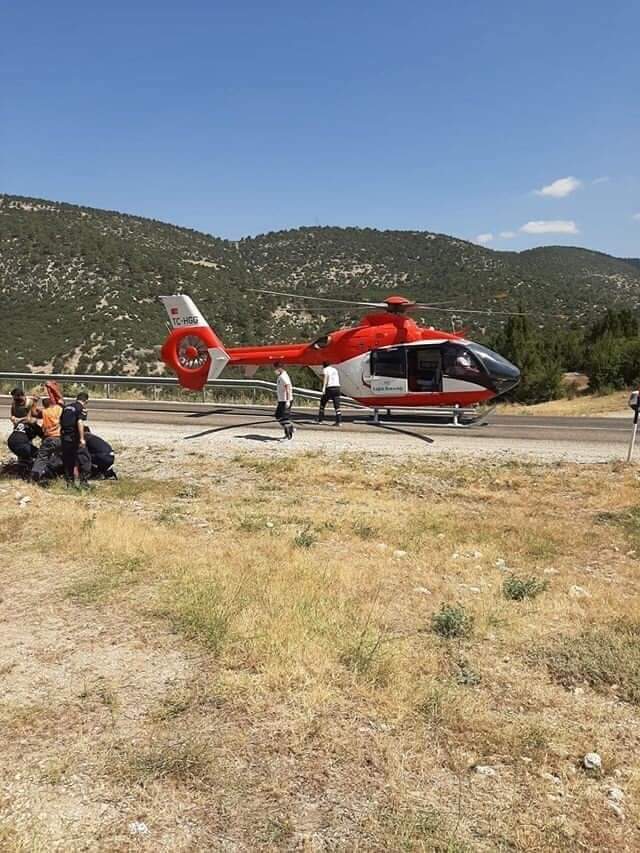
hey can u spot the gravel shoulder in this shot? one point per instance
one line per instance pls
(178, 443)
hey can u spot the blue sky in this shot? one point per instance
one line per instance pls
(243, 117)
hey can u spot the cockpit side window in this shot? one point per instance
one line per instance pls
(460, 363)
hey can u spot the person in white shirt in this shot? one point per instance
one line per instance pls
(330, 391)
(284, 390)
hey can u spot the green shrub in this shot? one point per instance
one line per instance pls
(517, 589)
(451, 621)
(305, 538)
(363, 530)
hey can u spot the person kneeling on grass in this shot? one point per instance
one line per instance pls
(20, 442)
(102, 456)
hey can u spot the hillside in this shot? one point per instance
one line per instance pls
(78, 286)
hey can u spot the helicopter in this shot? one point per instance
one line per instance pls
(386, 360)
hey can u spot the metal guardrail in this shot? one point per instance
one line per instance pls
(156, 382)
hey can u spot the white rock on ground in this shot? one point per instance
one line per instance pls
(592, 761)
(615, 794)
(579, 592)
(484, 770)
(616, 809)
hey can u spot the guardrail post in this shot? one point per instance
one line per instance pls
(156, 392)
(456, 412)
(107, 390)
(204, 393)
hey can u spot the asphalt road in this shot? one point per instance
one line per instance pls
(211, 418)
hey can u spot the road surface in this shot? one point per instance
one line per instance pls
(579, 438)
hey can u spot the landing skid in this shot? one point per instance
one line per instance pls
(454, 416)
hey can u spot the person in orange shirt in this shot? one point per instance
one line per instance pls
(50, 447)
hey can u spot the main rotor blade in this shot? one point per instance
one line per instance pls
(410, 306)
(320, 298)
(422, 306)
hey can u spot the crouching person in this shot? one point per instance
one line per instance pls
(102, 456)
(75, 456)
(20, 443)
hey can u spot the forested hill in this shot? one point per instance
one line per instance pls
(78, 286)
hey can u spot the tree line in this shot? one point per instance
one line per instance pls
(607, 351)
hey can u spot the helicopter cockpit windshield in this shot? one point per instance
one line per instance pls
(502, 373)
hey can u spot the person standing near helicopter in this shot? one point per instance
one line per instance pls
(330, 391)
(284, 391)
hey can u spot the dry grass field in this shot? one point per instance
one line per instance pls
(323, 654)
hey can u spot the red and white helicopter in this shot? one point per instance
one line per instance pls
(387, 360)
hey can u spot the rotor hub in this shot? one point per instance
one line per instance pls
(398, 304)
(192, 353)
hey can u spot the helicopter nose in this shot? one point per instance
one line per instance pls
(503, 375)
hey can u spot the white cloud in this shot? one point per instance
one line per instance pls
(636, 216)
(560, 188)
(484, 238)
(603, 180)
(507, 235)
(550, 226)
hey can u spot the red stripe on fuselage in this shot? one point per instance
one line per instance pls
(434, 398)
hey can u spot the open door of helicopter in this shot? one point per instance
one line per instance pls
(424, 369)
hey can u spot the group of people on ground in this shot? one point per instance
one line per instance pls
(284, 391)
(67, 445)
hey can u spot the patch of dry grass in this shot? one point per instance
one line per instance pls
(606, 657)
(588, 405)
(346, 656)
